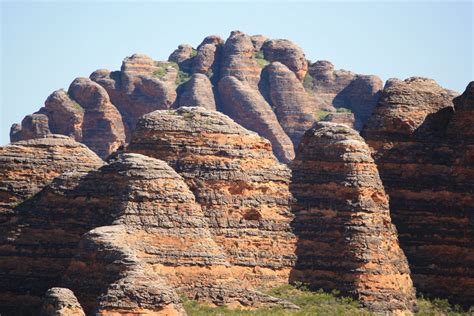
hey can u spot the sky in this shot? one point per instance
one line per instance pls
(46, 44)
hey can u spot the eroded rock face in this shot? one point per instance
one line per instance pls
(346, 240)
(241, 187)
(208, 56)
(342, 88)
(248, 107)
(197, 91)
(341, 118)
(102, 128)
(287, 53)
(142, 86)
(61, 302)
(428, 172)
(238, 59)
(27, 166)
(32, 126)
(65, 116)
(292, 104)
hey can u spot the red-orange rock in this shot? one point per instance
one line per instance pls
(102, 128)
(346, 240)
(287, 53)
(424, 151)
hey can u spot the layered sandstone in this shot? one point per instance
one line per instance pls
(249, 108)
(197, 91)
(61, 302)
(27, 166)
(32, 126)
(424, 149)
(208, 56)
(345, 89)
(241, 187)
(341, 118)
(346, 240)
(102, 126)
(142, 86)
(287, 53)
(292, 104)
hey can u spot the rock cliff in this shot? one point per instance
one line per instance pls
(346, 240)
(424, 149)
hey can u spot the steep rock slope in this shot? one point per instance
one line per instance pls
(346, 240)
(241, 187)
(61, 302)
(424, 151)
(27, 166)
(342, 88)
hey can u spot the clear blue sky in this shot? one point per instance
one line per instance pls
(45, 45)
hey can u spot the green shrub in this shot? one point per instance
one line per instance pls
(194, 52)
(321, 114)
(260, 59)
(343, 110)
(308, 83)
(182, 77)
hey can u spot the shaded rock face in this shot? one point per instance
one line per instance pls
(197, 91)
(428, 172)
(102, 127)
(141, 86)
(65, 116)
(341, 88)
(346, 240)
(287, 53)
(208, 56)
(27, 166)
(241, 187)
(61, 302)
(32, 126)
(292, 104)
(248, 108)
(341, 118)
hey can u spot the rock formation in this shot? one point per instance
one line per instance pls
(248, 108)
(341, 118)
(241, 187)
(346, 240)
(287, 53)
(197, 91)
(27, 166)
(341, 88)
(32, 126)
(424, 148)
(102, 126)
(61, 302)
(292, 104)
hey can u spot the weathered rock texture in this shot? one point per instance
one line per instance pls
(61, 302)
(341, 88)
(293, 106)
(27, 166)
(241, 187)
(287, 53)
(346, 240)
(341, 118)
(198, 91)
(424, 150)
(102, 126)
(32, 126)
(142, 86)
(248, 108)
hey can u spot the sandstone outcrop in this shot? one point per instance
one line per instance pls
(27, 166)
(341, 118)
(102, 126)
(287, 53)
(238, 59)
(65, 116)
(248, 107)
(32, 126)
(61, 302)
(341, 88)
(241, 187)
(208, 56)
(291, 103)
(197, 91)
(346, 240)
(424, 148)
(142, 86)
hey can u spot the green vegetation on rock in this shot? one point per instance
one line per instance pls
(182, 77)
(260, 59)
(314, 303)
(321, 114)
(308, 83)
(343, 110)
